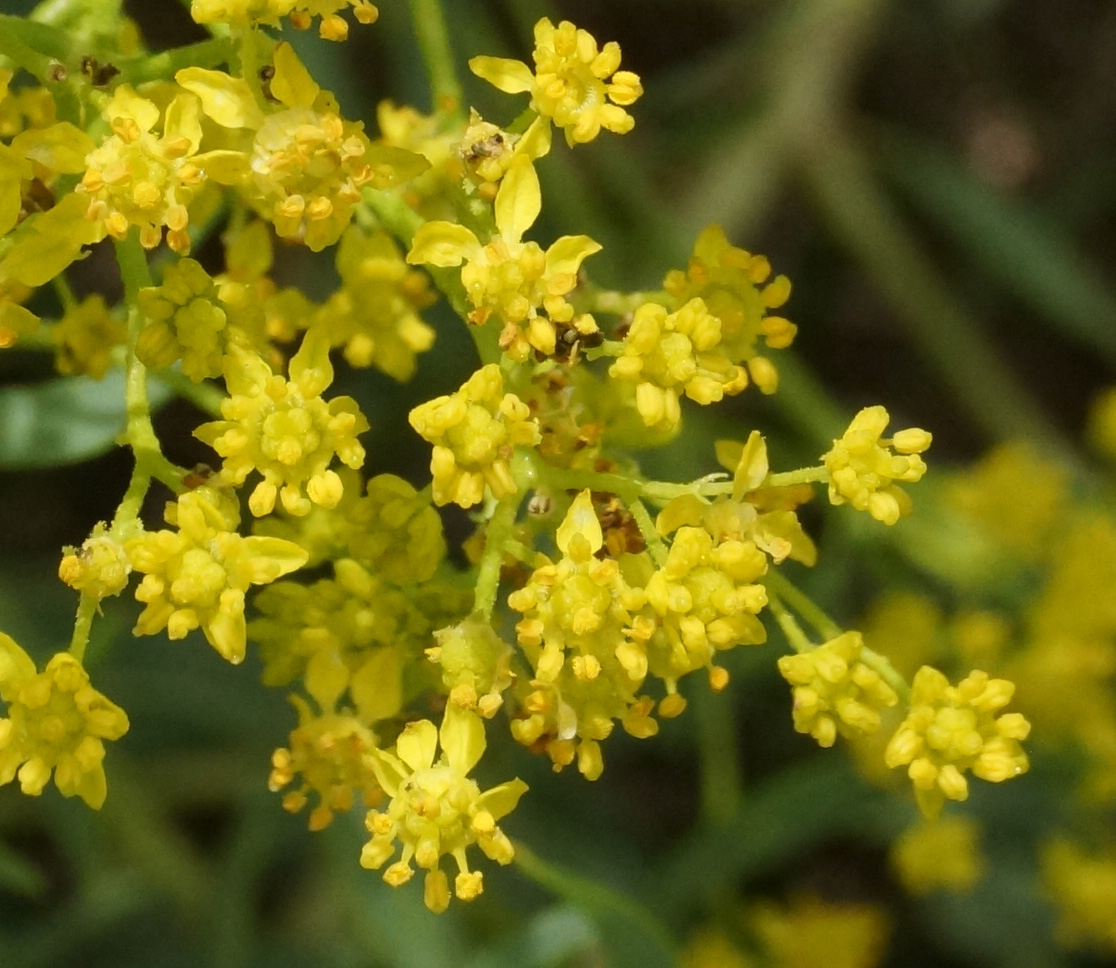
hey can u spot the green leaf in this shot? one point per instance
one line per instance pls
(64, 421)
(1031, 256)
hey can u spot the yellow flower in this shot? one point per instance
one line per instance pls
(254, 13)
(575, 84)
(475, 663)
(138, 177)
(704, 599)
(809, 932)
(863, 468)
(436, 810)
(1082, 885)
(733, 284)
(85, 338)
(285, 430)
(15, 320)
(197, 576)
(305, 165)
(588, 670)
(474, 432)
(509, 278)
(99, 568)
(187, 322)
(374, 313)
(954, 729)
(834, 691)
(331, 751)
(939, 854)
(670, 354)
(56, 722)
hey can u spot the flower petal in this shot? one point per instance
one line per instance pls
(227, 100)
(568, 252)
(509, 76)
(462, 737)
(442, 244)
(416, 745)
(519, 200)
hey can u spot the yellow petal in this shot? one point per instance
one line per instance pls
(45, 244)
(227, 100)
(377, 686)
(581, 520)
(61, 147)
(224, 166)
(519, 200)
(16, 666)
(509, 76)
(310, 366)
(182, 120)
(462, 737)
(292, 83)
(752, 467)
(13, 170)
(501, 800)
(272, 558)
(442, 244)
(568, 252)
(416, 744)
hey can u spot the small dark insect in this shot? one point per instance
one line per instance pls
(267, 72)
(99, 75)
(491, 147)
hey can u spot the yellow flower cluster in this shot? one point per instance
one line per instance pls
(100, 568)
(436, 810)
(374, 312)
(575, 84)
(258, 13)
(300, 164)
(509, 279)
(951, 730)
(137, 177)
(668, 354)
(331, 753)
(197, 575)
(942, 854)
(733, 284)
(474, 432)
(593, 633)
(576, 632)
(285, 430)
(57, 722)
(1082, 884)
(834, 691)
(863, 467)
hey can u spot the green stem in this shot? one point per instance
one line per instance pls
(139, 432)
(205, 396)
(437, 54)
(500, 527)
(22, 41)
(886, 671)
(945, 334)
(796, 638)
(164, 65)
(807, 475)
(782, 588)
(650, 533)
(591, 895)
(722, 787)
(83, 623)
